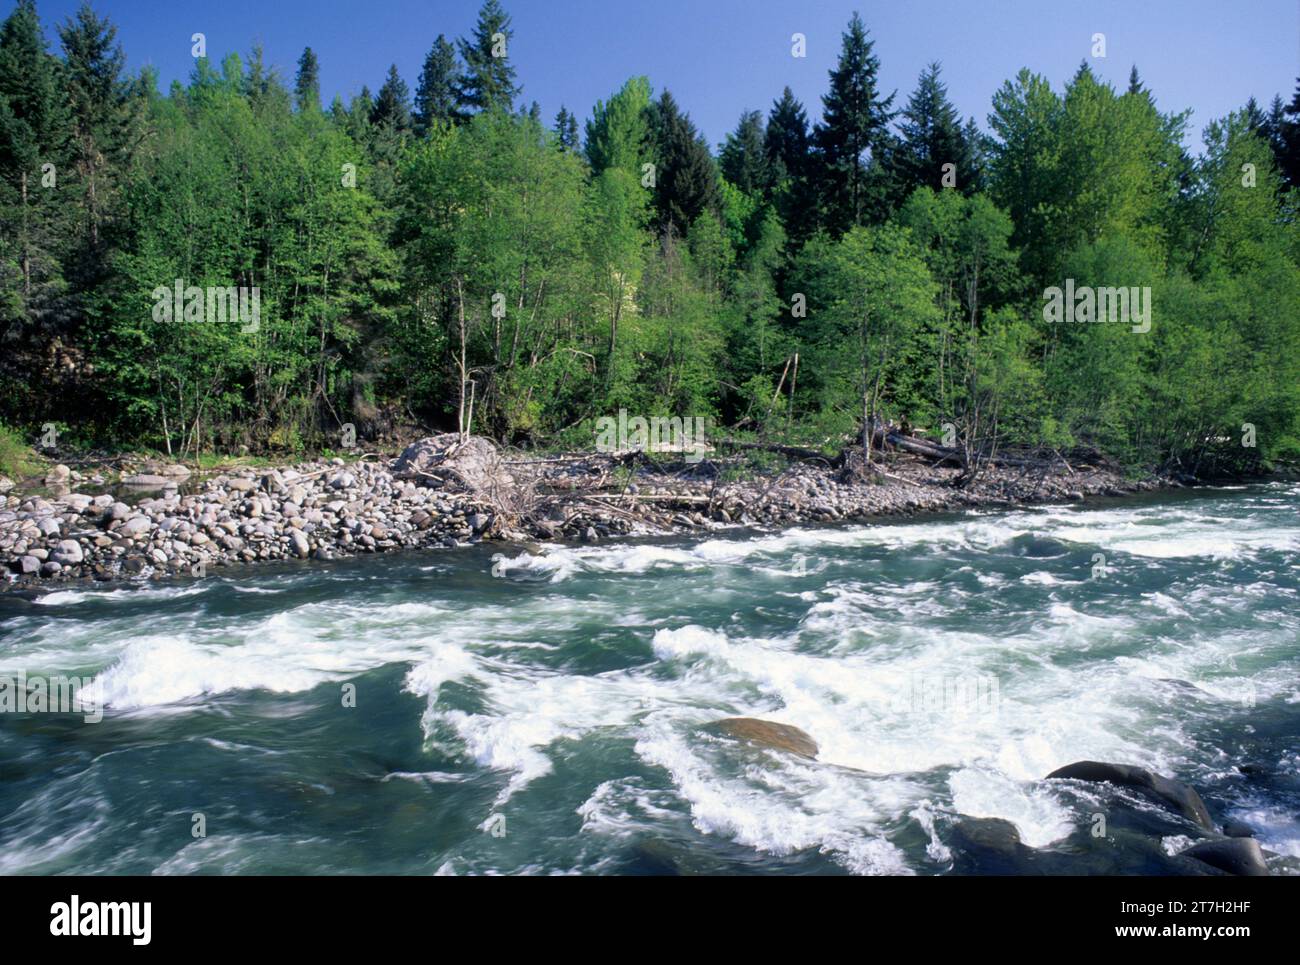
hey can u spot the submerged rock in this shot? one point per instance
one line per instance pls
(1237, 856)
(145, 481)
(782, 737)
(1175, 794)
(653, 857)
(996, 834)
(992, 846)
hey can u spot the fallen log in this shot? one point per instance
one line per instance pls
(793, 452)
(933, 451)
(922, 448)
(651, 498)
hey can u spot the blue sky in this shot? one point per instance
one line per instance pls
(720, 57)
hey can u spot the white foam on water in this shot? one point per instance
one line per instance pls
(561, 563)
(787, 807)
(289, 652)
(164, 670)
(1172, 532)
(936, 850)
(1277, 829)
(233, 854)
(624, 806)
(527, 709)
(1166, 532)
(126, 595)
(999, 711)
(1037, 814)
(28, 842)
(1044, 578)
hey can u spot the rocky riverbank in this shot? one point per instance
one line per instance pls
(441, 492)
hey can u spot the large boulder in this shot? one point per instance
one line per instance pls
(472, 463)
(298, 541)
(992, 846)
(67, 552)
(1176, 795)
(782, 737)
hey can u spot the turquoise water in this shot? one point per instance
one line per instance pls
(521, 714)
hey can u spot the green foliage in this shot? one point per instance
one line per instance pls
(392, 108)
(618, 133)
(853, 137)
(17, 459)
(877, 294)
(429, 256)
(306, 87)
(488, 81)
(743, 158)
(1073, 169)
(435, 96)
(686, 179)
(932, 136)
(294, 230)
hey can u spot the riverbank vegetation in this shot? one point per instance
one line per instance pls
(446, 257)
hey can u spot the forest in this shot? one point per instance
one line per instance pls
(442, 256)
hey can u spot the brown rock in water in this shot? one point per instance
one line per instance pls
(783, 737)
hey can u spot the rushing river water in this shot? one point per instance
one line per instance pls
(546, 714)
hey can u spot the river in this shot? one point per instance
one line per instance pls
(482, 710)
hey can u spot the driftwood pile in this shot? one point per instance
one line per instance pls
(585, 495)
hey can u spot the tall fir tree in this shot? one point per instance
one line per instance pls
(788, 144)
(262, 85)
(786, 139)
(306, 87)
(34, 133)
(853, 136)
(686, 179)
(1289, 138)
(389, 133)
(435, 95)
(931, 137)
(41, 220)
(566, 129)
(104, 117)
(393, 104)
(1275, 130)
(743, 159)
(489, 79)
(1135, 85)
